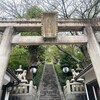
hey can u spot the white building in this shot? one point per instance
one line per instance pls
(9, 81)
(90, 81)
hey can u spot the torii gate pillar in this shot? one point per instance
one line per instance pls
(94, 51)
(5, 48)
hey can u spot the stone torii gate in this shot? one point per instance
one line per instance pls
(49, 26)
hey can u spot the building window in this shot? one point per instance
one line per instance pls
(93, 90)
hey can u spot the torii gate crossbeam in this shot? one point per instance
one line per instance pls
(35, 25)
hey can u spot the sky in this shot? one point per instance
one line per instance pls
(20, 7)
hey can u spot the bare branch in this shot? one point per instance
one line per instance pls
(69, 54)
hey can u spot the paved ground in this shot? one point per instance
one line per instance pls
(48, 89)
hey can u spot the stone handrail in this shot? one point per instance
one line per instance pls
(23, 88)
(74, 87)
(23, 92)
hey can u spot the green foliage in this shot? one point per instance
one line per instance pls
(31, 33)
(36, 52)
(61, 76)
(67, 60)
(27, 55)
(19, 56)
(41, 53)
(51, 53)
(73, 50)
(33, 12)
(38, 76)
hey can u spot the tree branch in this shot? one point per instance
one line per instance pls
(69, 54)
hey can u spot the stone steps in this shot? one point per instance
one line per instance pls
(48, 89)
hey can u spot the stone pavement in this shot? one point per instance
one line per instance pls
(49, 86)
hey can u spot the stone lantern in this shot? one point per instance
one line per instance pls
(19, 70)
(21, 74)
(78, 69)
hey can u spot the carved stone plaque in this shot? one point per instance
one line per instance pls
(49, 25)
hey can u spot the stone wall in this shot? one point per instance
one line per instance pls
(76, 96)
(22, 97)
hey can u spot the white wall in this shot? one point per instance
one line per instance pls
(6, 79)
(7, 95)
(90, 76)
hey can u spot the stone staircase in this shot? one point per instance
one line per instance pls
(49, 88)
